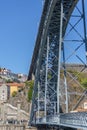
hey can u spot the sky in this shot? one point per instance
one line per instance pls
(19, 22)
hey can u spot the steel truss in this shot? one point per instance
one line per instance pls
(60, 61)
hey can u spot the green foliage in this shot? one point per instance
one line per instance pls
(80, 76)
(9, 81)
(14, 94)
(0, 77)
(49, 76)
(84, 83)
(16, 80)
(29, 85)
(30, 94)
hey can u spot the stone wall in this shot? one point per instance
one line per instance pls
(10, 112)
(11, 127)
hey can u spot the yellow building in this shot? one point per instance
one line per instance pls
(15, 87)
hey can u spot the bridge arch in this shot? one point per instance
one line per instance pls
(57, 62)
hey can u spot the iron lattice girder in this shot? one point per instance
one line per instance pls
(50, 19)
(55, 18)
(45, 99)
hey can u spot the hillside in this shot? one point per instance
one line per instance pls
(25, 105)
(76, 83)
(24, 96)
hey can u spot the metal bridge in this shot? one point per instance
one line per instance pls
(59, 64)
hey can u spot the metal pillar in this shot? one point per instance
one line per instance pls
(59, 58)
(38, 99)
(65, 79)
(46, 83)
(84, 25)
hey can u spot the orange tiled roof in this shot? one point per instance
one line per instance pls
(14, 84)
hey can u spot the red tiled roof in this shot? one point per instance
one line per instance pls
(13, 84)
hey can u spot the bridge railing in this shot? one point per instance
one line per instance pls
(54, 119)
(77, 119)
(74, 120)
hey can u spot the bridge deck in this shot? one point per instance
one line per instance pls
(73, 120)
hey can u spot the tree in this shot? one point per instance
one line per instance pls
(9, 81)
(29, 85)
(30, 91)
(14, 93)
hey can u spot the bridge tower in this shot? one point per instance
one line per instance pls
(59, 62)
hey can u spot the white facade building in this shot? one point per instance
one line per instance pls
(4, 92)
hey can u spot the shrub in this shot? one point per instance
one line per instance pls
(30, 90)
(84, 83)
(14, 94)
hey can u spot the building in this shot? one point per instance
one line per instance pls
(6, 89)
(15, 87)
(4, 71)
(22, 77)
(4, 92)
(8, 75)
